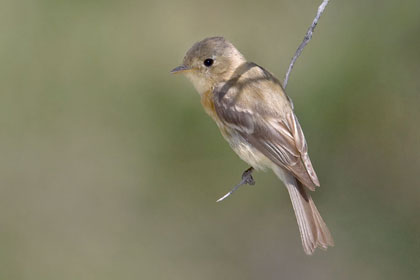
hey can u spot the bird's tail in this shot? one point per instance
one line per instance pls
(313, 230)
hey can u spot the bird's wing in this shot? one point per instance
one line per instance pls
(278, 136)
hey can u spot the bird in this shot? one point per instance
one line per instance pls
(256, 117)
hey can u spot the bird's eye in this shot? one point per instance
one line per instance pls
(208, 62)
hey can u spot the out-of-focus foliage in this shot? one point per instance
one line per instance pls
(110, 169)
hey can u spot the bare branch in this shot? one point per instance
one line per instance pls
(247, 174)
(246, 179)
(306, 40)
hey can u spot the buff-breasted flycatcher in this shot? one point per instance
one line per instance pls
(256, 117)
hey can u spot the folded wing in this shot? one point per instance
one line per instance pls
(278, 136)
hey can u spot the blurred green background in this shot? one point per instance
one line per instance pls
(110, 169)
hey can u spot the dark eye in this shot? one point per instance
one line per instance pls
(208, 62)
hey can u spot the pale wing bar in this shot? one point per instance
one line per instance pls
(282, 142)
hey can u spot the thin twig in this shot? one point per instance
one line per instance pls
(246, 176)
(247, 179)
(231, 191)
(306, 40)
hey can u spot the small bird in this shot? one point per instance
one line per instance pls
(256, 117)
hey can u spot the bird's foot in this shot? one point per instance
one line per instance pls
(246, 179)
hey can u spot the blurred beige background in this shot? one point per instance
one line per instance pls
(110, 169)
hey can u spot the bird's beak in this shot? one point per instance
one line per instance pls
(180, 69)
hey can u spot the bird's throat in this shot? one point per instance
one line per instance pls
(201, 84)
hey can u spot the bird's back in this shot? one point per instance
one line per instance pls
(255, 89)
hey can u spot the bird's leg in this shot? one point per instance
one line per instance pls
(246, 179)
(247, 176)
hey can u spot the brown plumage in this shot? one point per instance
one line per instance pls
(256, 117)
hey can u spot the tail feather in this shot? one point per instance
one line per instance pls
(313, 230)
